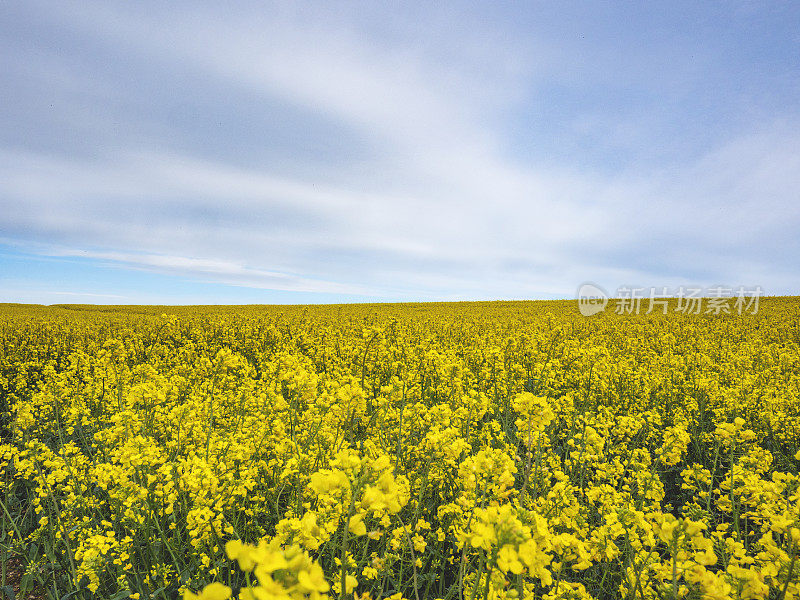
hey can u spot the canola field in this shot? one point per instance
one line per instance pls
(454, 451)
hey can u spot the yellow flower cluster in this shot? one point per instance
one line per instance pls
(283, 572)
(421, 451)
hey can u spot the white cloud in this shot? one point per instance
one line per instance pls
(441, 208)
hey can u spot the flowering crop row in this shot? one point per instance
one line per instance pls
(418, 451)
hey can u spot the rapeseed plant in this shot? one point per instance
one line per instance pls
(491, 450)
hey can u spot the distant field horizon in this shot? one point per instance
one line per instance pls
(300, 304)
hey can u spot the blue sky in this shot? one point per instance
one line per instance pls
(334, 152)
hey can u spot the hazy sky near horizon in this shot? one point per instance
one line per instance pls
(195, 152)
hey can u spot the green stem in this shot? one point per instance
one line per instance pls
(346, 530)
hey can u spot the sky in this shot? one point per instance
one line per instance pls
(233, 153)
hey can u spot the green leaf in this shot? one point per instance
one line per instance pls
(25, 584)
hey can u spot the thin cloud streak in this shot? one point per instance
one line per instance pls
(87, 295)
(217, 271)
